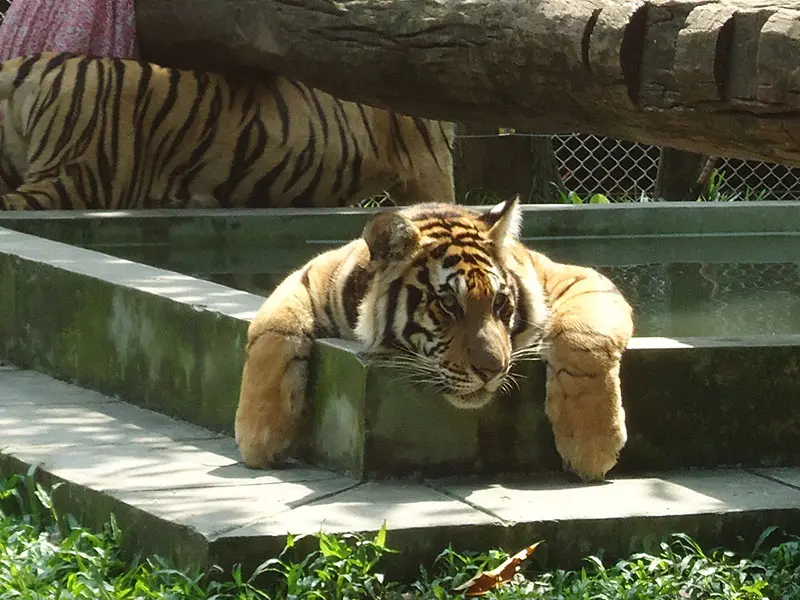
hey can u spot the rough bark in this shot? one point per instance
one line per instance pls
(547, 186)
(716, 77)
(678, 173)
(495, 167)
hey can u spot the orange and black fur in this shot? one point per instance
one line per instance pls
(92, 133)
(457, 299)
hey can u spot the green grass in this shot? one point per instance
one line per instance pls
(45, 555)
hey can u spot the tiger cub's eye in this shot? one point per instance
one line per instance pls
(501, 303)
(450, 304)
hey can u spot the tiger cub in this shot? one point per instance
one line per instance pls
(457, 292)
(94, 133)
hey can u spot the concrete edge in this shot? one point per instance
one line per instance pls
(276, 226)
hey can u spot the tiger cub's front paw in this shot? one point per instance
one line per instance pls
(588, 420)
(259, 444)
(271, 399)
(590, 457)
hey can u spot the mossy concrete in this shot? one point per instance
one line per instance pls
(369, 420)
(203, 228)
(695, 403)
(175, 344)
(156, 338)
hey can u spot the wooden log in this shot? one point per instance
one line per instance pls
(715, 77)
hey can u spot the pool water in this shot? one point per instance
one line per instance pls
(711, 299)
(691, 286)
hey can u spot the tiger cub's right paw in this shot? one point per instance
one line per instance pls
(260, 446)
(271, 399)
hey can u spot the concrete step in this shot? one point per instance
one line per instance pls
(175, 344)
(180, 491)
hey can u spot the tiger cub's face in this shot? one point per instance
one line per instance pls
(443, 298)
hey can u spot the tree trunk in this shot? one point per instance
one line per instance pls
(547, 187)
(717, 77)
(678, 173)
(491, 167)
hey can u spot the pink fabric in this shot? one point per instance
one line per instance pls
(94, 27)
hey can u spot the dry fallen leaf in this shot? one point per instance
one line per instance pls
(488, 580)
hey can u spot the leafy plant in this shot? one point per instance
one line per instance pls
(572, 197)
(716, 193)
(342, 568)
(46, 555)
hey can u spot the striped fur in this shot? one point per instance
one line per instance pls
(456, 300)
(96, 133)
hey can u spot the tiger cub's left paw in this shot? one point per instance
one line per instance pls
(588, 421)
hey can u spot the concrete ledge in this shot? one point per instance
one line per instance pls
(690, 402)
(279, 227)
(157, 338)
(178, 490)
(175, 344)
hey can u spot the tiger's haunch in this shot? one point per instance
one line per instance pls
(94, 133)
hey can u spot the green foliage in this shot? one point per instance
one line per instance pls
(681, 570)
(45, 555)
(342, 568)
(716, 193)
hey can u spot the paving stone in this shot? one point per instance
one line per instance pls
(147, 466)
(786, 475)
(18, 386)
(544, 499)
(218, 509)
(89, 424)
(181, 491)
(368, 506)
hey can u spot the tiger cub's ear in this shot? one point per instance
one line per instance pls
(390, 237)
(505, 220)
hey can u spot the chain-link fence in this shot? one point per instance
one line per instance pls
(592, 164)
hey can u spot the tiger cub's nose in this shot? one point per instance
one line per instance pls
(490, 367)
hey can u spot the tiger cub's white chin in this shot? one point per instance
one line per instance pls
(471, 401)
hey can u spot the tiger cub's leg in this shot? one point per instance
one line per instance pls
(590, 328)
(275, 374)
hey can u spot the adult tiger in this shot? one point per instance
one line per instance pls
(457, 294)
(83, 132)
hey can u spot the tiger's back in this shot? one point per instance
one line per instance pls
(108, 133)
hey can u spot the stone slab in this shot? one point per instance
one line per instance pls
(22, 386)
(192, 500)
(401, 505)
(66, 424)
(669, 493)
(218, 509)
(148, 466)
(785, 475)
(279, 227)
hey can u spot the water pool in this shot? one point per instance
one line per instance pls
(680, 286)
